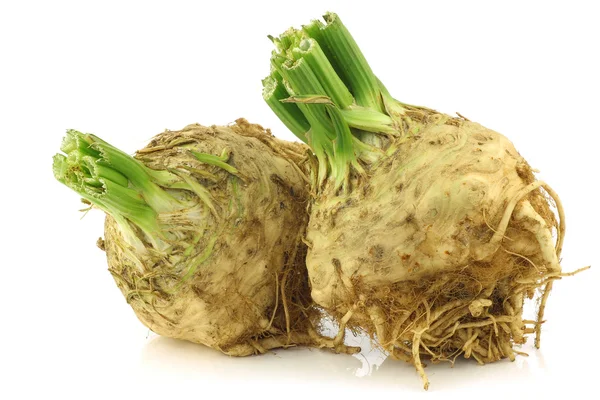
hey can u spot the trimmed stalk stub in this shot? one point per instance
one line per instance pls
(341, 109)
(114, 182)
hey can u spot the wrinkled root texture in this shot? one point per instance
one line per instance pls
(475, 311)
(291, 317)
(295, 320)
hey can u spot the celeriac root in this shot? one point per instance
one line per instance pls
(227, 269)
(427, 231)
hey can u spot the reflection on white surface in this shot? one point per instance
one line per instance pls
(556, 368)
(187, 360)
(370, 356)
(164, 356)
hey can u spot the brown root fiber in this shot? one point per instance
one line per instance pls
(229, 268)
(472, 312)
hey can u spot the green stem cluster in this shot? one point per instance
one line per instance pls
(114, 182)
(324, 91)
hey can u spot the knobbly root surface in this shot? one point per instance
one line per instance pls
(476, 310)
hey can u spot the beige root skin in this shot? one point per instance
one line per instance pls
(261, 346)
(455, 235)
(233, 276)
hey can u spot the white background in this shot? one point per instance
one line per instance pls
(125, 71)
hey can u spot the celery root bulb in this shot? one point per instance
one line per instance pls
(435, 250)
(203, 232)
(427, 231)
